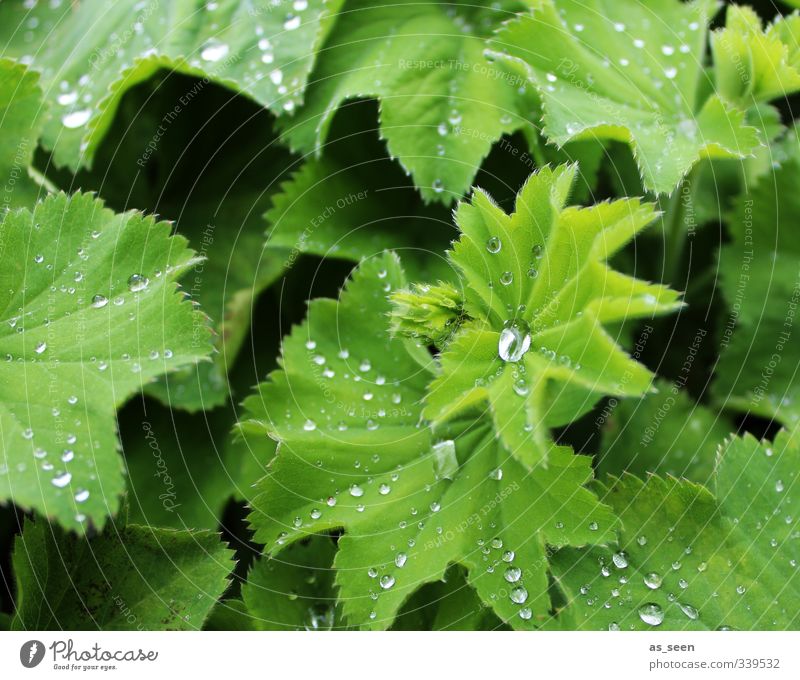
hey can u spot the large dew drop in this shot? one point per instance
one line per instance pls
(515, 341)
(652, 614)
(214, 51)
(137, 283)
(76, 119)
(61, 480)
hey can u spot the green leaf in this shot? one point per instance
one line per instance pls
(229, 615)
(537, 289)
(690, 559)
(90, 315)
(449, 604)
(90, 53)
(21, 111)
(441, 105)
(293, 590)
(628, 71)
(761, 284)
(753, 65)
(665, 433)
(248, 453)
(132, 578)
(354, 454)
(335, 211)
(356, 201)
(213, 173)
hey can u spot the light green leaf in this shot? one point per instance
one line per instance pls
(441, 105)
(90, 314)
(690, 559)
(629, 71)
(212, 173)
(294, 590)
(537, 288)
(664, 433)
(752, 65)
(132, 578)
(21, 110)
(354, 454)
(90, 53)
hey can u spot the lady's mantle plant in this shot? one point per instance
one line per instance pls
(394, 447)
(409, 461)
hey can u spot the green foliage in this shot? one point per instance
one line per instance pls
(758, 272)
(664, 432)
(272, 596)
(442, 106)
(752, 65)
(521, 276)
(353, 454)
(136, 578)
(93, 52)
(20, 123)
(91, 314)
(692, 559)
(537, 290)
(609, 70)
(428, 313)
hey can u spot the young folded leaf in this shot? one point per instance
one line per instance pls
(630, 72)
(428, 313)
(354, 453)
(89, 312)
(689, 559)
(537, 289)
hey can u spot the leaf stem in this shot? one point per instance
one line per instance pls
(676, 228)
